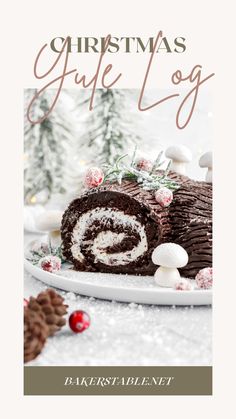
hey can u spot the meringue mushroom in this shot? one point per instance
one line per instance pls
(180, 156)
(206, 161)
(169, 256)
(50, 221)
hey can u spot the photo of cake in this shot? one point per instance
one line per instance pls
(118, 233)
(115, 227)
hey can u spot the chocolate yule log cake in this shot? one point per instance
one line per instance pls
(115, 227)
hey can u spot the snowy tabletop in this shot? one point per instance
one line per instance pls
(127, 334)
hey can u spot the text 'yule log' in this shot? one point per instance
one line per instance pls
(194, 79)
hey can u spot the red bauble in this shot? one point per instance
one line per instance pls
(79, 321)
(94, 177)
(26, 302)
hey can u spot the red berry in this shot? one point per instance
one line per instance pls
(183, 285)
(94, 177)
(144, 164)
(26, 302)
(204, 278)
(50, 263)
(164, 196)
(79, 321)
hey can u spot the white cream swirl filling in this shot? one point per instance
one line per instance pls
(107, 238)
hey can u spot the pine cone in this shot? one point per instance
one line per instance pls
(51, 304)
(35, 333)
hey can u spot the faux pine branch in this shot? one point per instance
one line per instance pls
(147, 180)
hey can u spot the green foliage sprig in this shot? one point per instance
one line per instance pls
(43, 250)
(147, 180)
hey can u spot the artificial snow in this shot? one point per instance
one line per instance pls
(128, 334)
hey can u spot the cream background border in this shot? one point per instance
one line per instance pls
(208, 26)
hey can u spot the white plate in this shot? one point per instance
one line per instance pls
(125, 288)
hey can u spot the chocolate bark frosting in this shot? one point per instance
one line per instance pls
(115, 228)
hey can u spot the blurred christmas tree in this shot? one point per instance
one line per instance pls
(46, 147)
(109, 127)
